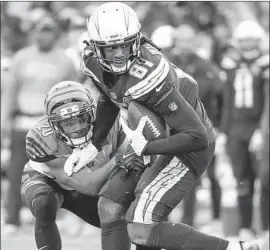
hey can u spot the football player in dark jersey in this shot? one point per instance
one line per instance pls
(66, 127)
(246, 77)
(127, 67)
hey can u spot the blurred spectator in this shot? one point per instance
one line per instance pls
(243, 105)
(76, 34)
(163, 38)
(186, 58)
(35, 69)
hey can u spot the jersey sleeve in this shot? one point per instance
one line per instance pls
(40, 143)
(104, 123)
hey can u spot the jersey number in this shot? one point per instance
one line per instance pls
(243, 85)
(45, 129)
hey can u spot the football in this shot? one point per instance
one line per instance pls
(155, 127)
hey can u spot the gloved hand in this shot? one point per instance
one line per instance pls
(129, 160)
(135, 137)
(80, 158)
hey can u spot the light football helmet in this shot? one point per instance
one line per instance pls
(111, 24)
(247, 38)
(163, 36)
(70, 110)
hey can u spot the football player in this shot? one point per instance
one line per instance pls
(246, 76)
(67, 127)
(125, 67)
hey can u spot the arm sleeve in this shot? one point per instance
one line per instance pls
(188, 134)
(106, 115)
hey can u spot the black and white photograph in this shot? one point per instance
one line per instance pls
(134, 125)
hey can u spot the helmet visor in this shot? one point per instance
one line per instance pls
(76, 127)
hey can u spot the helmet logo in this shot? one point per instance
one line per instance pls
(69, 111)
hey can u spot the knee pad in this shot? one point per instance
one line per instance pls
(45, 207)
(110, 211)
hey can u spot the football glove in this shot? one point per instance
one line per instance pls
(130, 161)
(135, 137)
(80, 158)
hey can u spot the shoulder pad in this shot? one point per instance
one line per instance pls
(263, 61)
(41, 142)
(228, 63)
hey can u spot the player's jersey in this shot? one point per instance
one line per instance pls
(149, 80)
(244, 95)
(43, 145)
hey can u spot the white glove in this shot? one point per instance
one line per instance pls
(256, 141)
(135, 137)
(80, 158)
(221, 144)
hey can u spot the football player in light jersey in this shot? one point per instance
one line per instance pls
(126, 67)
(246, 77)
(66, 127)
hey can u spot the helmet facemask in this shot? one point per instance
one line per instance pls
(108, 65)
(73, 122)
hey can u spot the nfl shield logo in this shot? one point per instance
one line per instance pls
(173, 106)
(113, 95)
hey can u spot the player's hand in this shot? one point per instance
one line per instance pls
(256, 141)
(135, 137)
(129, 160)
(80, 158)
(221, 142)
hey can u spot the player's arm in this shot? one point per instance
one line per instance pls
(188, 133)
(106, 115)
(84, 181)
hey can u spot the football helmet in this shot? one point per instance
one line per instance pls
(247, 38)
(70, 110)
(163, 36)
(112, 24)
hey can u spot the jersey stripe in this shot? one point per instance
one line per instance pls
(33, 151)
(153, 193)
(30, 142)
(151, 81)
(41, 140)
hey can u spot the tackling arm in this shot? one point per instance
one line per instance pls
(84, 181)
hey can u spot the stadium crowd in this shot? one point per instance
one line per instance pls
(41, 45)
